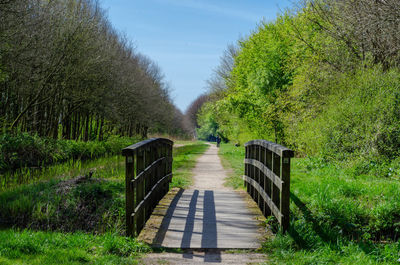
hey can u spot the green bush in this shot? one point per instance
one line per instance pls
(359, 121)
(25, 150)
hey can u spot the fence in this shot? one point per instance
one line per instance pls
(267, 178)
(148, 174)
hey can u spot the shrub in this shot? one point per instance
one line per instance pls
(25, 150)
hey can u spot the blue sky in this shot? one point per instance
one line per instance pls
(187, 37)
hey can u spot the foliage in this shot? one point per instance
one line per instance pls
(191, 114)
(208, 126)
(310, 80)
(25, 150)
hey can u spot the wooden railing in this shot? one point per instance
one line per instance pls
(267, 178)
(148, 174)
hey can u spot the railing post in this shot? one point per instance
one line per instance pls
(246, 166)
(253, 171)
(257, 176)
(129, 194)
(261, 202)
(276, 168)
(268, 184)
(140, 166)
(285, 200)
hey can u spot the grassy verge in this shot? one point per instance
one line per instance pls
(184, 161)
(232, 160)
(28, 247)
(336, 217)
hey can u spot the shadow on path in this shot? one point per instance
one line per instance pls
(159, 238)
(188, 232)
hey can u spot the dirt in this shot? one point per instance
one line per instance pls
(204, 256)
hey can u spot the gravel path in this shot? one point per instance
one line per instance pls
(209, 173)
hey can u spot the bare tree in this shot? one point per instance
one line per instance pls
(63, 66)
(368, 28)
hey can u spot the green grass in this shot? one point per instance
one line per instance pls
(184, 161)
(29, 247)
(337, 217)
(232, 160)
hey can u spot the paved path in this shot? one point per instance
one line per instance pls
(209, 215)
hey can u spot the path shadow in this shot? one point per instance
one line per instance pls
(159, 238)
(208, 255)
(209, 227)
(209, 235)
(189, 225)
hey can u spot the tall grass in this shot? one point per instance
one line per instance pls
(108, 165)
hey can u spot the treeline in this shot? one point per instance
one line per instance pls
(323, 78)
(66, 73)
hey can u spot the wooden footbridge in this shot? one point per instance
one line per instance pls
(207, 215)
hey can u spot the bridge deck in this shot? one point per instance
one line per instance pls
(208, 215)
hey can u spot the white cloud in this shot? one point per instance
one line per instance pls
(201, 5)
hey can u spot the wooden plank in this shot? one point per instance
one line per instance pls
(267, 199)
(130, 149)
(267, 172)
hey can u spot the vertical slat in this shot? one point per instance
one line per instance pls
(257, 174)
(149, 180)
(252, 171)
(267, 184)
(246, 172)
(261, 178)
(276, 165)
(285, 199)
(140, 165)
(129, 194)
